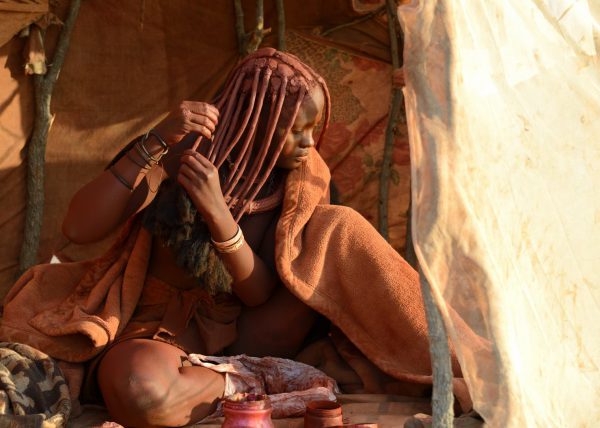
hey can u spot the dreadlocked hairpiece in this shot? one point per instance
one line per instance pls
(258, 106)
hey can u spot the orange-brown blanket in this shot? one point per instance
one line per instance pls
(328, 256)
(335, 261)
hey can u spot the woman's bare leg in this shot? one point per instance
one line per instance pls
(144, 385)
(276, 328)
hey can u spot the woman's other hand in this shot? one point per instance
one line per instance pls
(200, 179)
(189, 116)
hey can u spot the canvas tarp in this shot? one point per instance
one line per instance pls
(17, 15)
(129, 63)
(503, 104)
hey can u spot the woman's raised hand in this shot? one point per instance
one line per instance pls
(200, 179)
(189, 116)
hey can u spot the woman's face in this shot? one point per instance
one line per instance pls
(300, 138)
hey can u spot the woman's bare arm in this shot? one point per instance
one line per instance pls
(105, 203)
(253, 281)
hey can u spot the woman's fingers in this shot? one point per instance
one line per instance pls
(189, 116)
(185, 182)
(200, 112)
(193, 169)
(196, 164)
(200, 179)
(205, 121)
(194, 156)
(204, 109)
(200, 124)
(200, 129)
(200, 158)
(190, 173)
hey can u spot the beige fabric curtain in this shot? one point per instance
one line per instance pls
(503, 102)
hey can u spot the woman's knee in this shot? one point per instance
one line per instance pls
(144, 400)
(143, 384)
(135, 391)
(142, 391)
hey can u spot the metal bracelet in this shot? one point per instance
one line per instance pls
(121, 179)
(146, 152)
(162, 142)
(145, 165)
(143, 153)
(230, 245)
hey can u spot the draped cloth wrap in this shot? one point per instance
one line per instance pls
(328, 256)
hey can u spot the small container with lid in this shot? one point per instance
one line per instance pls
(322, 414)
(247, 411)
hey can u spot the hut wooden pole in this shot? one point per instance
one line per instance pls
(280, 25)
(443, 400)
(250, 42)
(239, 26)
(36, 149)
(395, 109)
(256, 37)
(409, 249)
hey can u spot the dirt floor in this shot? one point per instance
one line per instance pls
(388, 411)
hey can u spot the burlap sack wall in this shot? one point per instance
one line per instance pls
(129, 63)
(16, 15)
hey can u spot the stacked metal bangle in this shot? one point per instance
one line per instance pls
(162, 142)
(121, 179)
(231, 245)
(145, 154)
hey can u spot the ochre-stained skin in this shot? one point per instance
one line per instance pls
(143, 381)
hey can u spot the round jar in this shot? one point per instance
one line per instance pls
(322, 414)
(247, 412)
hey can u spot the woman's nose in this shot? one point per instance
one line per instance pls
(307, 141)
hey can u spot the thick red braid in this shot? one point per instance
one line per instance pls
(270, 78)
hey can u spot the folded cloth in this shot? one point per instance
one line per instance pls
(33, 391)
(184, 318)
(290, 385)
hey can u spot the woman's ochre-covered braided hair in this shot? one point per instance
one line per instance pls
(258, 106)
(265, 79)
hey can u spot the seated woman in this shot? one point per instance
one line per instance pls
(213, 219)
(233, 250)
